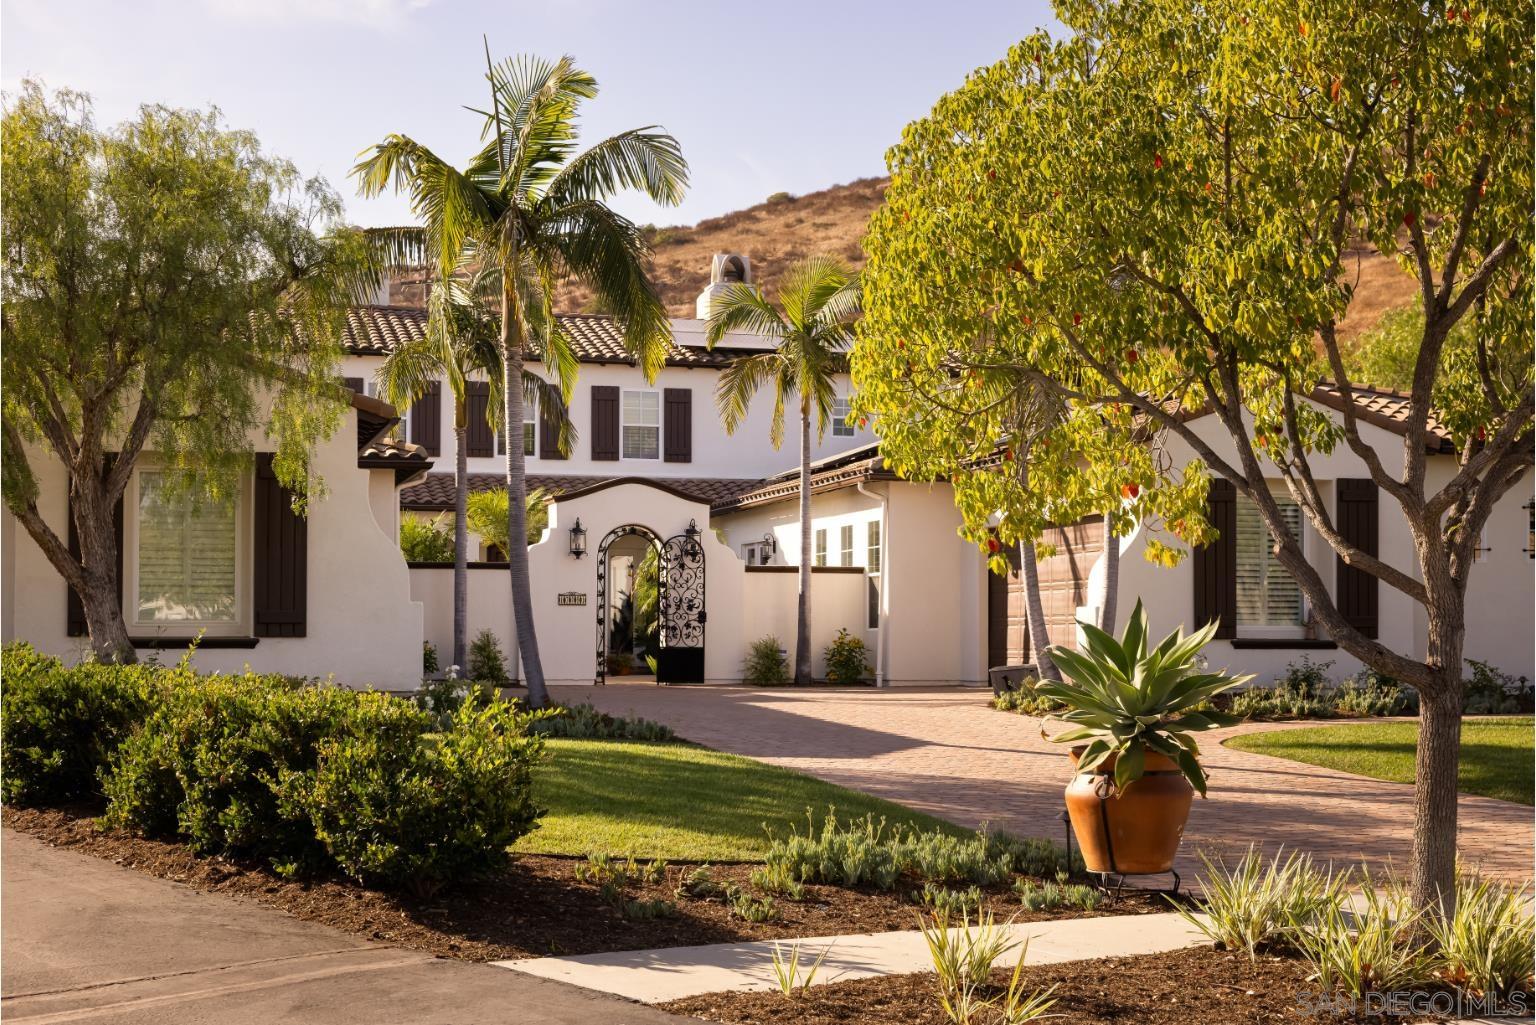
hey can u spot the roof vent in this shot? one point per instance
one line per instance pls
(725, 270)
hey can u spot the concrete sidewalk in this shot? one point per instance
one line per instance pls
(86, 940)
(654, 976)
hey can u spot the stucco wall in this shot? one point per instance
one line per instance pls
(746, 454)
(1499, 596)
(362, 626)
(770, 607)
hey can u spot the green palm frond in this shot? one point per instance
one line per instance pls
(738, 383)
(552, 408)
(742, 307)
(643, 158)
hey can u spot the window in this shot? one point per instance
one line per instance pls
(845, 556)
(872, 582)
(872, 549)
(641, 425)
(1267, 595)
(530, 419)
(872, 566)
(841, 410)
(401, 430)
(755, 553)
(821, 547)
(185, 555)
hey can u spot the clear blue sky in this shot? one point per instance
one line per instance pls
(790, 95)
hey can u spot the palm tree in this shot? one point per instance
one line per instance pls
(459, 343)
(531, 210)
(819, 299)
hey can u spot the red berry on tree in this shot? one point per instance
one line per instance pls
(1131, 355)
(1077, 319)
(992, 545)
(1157, 161)
(1410, 218)
(1131, 490)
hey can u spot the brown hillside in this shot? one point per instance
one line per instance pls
(776, 233)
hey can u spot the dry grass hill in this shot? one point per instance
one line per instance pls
(784, 228)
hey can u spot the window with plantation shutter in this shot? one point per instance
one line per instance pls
(1267, 595)
(186, 555)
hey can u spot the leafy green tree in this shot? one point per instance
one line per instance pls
(819, 299)
(168, 288)
(425, 541)
(460, 344)
(1151, 219)
(1384, 357)
(534, 211)
(488, 515)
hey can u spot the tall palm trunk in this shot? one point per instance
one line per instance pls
(1039, 634)
(460, 538)
(1111, 579)
(803, 619)
(512, 348)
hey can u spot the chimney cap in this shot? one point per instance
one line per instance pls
(728, 268)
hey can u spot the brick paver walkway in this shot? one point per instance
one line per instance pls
(945, 751)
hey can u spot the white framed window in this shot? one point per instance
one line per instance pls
(872, 584)
(872, 546)
(755, 553)
(184, 556)
(1267, 595)
(821, 547)
(640, 425)
(842, 409)
(845, 549)
(402, 430)
(530, 426)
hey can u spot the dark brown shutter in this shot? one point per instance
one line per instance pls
(1215, 564)
(1357, 523)
(605, 421)
(74, 617)
(427, 419)
(479, 437)
(280, 560)
(677, 424)
(355, 383)
(549, 435)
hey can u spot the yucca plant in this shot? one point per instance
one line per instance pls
(1257, 904)
(1369, 946)
(1124, 699)
(1488, 945)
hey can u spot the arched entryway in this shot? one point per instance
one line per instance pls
(626, 638)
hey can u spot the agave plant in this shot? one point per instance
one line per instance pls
(1124, 699)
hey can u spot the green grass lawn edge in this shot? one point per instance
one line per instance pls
(682, 802)
(1496, 752)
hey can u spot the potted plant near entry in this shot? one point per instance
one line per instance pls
(1133, 712)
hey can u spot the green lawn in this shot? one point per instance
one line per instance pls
(1495, 753)
(679, 802)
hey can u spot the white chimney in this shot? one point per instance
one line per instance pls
(725, 270)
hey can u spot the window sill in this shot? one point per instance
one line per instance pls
(1281, 643)
(206, 642)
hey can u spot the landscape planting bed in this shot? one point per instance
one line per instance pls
(1195, 986)
(536, 908)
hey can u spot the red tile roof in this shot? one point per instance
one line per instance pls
(435, 491)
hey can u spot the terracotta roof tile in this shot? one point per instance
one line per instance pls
(1388, 410)
(435, 491)
(375, 330)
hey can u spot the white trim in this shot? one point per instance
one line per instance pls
(238, 625)
(624, 424)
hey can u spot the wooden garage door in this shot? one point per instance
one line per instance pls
(1063, 587)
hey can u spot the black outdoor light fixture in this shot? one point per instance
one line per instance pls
(770, 542)
(578, 540)
(1530, 529)
(693, 529)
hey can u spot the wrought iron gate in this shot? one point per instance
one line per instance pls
(682, 612)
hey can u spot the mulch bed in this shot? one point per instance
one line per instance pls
(1196, 986)
(535, 908)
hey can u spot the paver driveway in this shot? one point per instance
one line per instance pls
(945, 751)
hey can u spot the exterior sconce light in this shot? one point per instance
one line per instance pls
(770, 542)
(578, 540)
(693, 529)
(1530, 529)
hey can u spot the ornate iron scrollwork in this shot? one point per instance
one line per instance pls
(682, 590)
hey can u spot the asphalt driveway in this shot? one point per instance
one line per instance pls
(85, 940)
(945, 751)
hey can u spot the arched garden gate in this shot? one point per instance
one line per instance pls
(680, 611)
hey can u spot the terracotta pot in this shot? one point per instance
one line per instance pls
(1145, 820)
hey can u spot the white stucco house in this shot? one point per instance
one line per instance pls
(653, 470)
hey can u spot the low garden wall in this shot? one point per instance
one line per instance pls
(839, 600)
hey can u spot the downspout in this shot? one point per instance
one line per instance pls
(881, 642)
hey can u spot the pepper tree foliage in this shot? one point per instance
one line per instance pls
(1097, 237)
(168, 288)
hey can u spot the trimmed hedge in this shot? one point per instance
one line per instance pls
(306, 778)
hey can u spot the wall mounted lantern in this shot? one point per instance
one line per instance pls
(1530, 529)
(770, 542)
(578, 540)
(693, 529)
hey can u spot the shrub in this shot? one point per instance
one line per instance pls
(584, 722)
(1369, 694)
(442, 699)
(1255, 905)
(424, 541)
(963, 959)
(1369, 947)
(752, 909)
(765, 663)
(428, 658)
(1026, 700)
(487, 664)
(779, 197)
(791, 978)
(604, 870)
(395, 808)
(59, 726)
(1490, 691)
(945, 901)
(1488, 946)
(847, 659)
(1050, 896)
(700, 884)
(777, 879)
(647, 910)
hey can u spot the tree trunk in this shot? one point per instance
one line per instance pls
(517, 498)
(1039, 634)
(1436, 767)
(460, 540)
(1107, 603)
(803, 618)
(100, 589)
